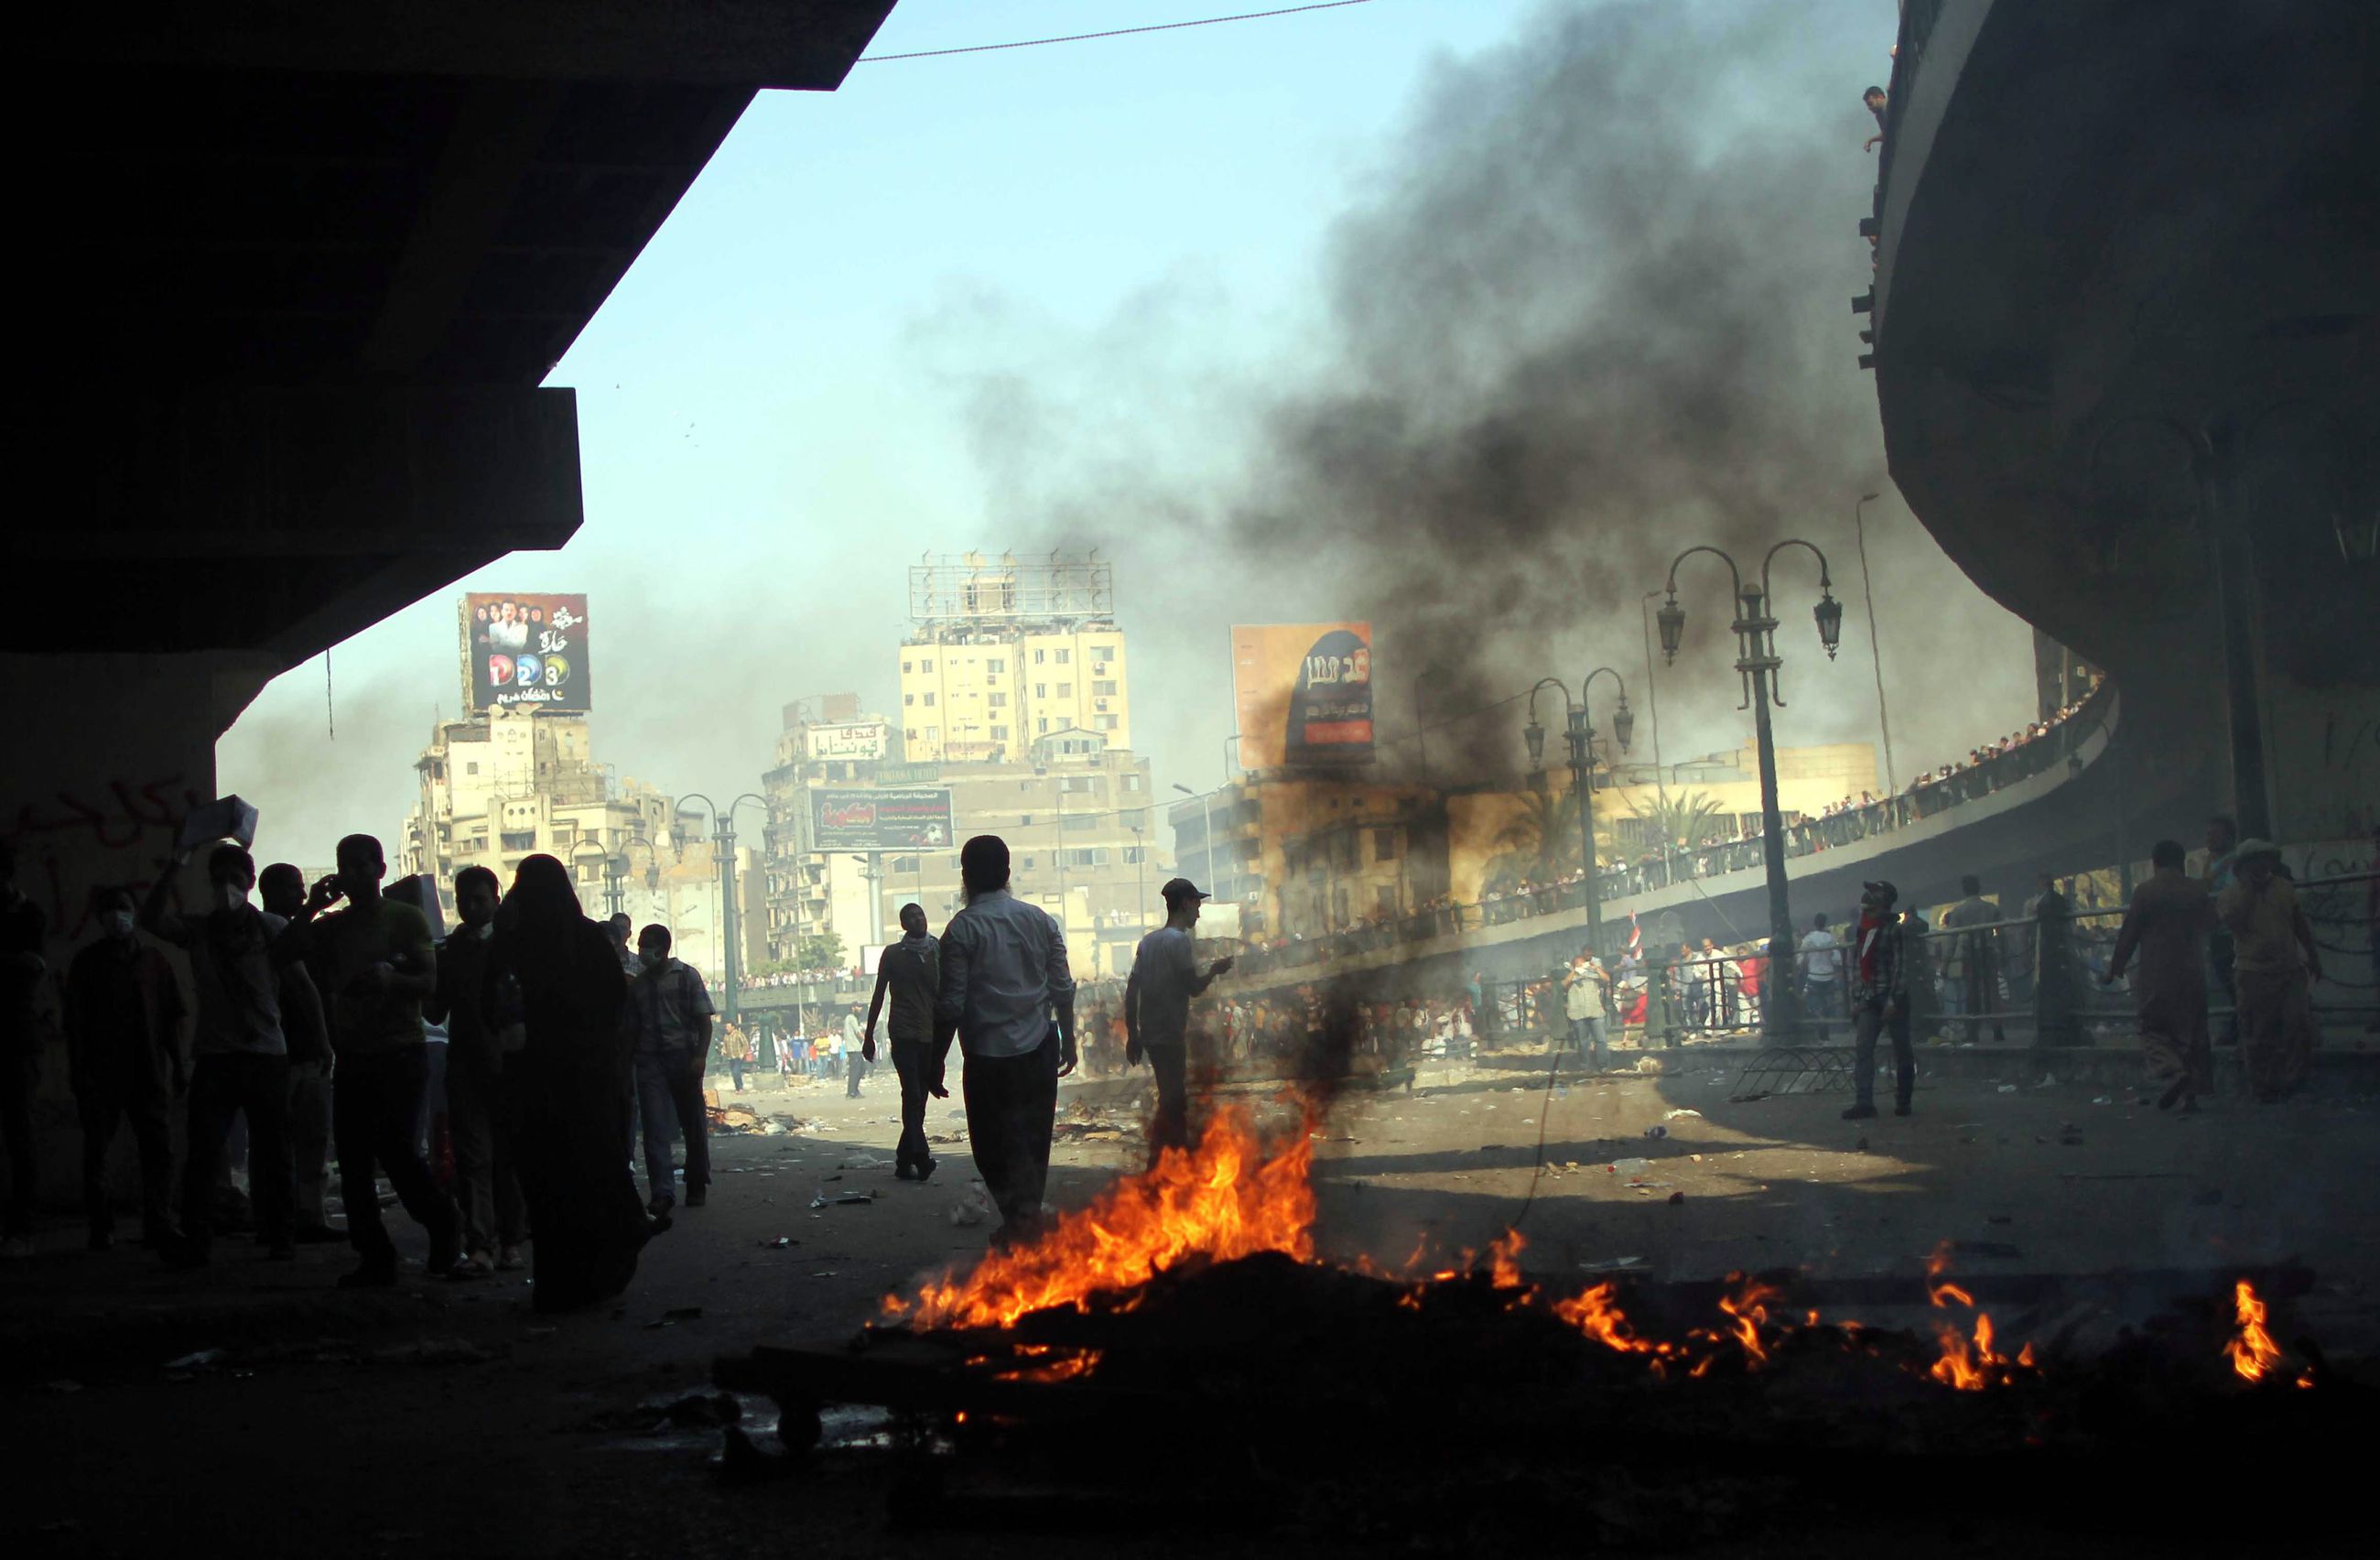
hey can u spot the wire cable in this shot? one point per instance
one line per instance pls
(1113, 32)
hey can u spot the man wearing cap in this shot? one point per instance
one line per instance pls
(1003, 988)
(1879, 1000)
(2274, 961)
(1157, 1010)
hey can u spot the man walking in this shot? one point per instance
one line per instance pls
(855, 1053)
(909, 974)
(2274, 962)
(1005, 991)
(376, 955)
(1584, 986)
(1879, 1002)
(241, 1059)
(494, 1217)
(124, 1057)
(673, 1016)
(1822, 972)
(2166, 926)
(1974, 967)
(306, 1028)
(1157, 1010)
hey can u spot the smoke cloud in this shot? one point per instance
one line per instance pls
(1593, 310)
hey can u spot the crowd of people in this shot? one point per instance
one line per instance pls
(327, 1028)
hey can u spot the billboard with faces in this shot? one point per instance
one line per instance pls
(526, 651)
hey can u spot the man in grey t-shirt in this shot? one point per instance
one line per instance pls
(1157, 1010)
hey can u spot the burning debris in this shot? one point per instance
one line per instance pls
(1185, 1308)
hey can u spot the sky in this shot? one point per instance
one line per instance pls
(1133, 294)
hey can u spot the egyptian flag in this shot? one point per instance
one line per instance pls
(1643, 1001)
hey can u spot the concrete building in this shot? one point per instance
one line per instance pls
(506, 784)
(1001, 653)
(1308, 856)
(825, 743)
(1076, 813)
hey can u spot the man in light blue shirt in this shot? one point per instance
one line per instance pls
(1005, 991)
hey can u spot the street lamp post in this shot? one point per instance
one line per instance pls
(722, 833)
(1653, 698)
(1874, 651)
(1758, 664)
(1580, 734)
(1205, 801)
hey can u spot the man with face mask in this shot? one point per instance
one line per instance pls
(1879, 1002)
(306, 1028)
(241, 1059)
(124, 1057)
(672, 1011)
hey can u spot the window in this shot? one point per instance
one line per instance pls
(909, 734)
(1105, 722)
(1387, 900)
(1384, 845)
(471, 768)
(1065, 656)
(933, 734)
(1102, 652)
(1132, 781)
(930, 700)
(1093, 855)
(1000, 734)
(1078, 783)
(904, 665)
(1066, 690)
(1083, 822)
(996, 666)
(905, 863)
(1134, 855)
(1000, 700)
(1038, 656)
(926, 665)
(908, 699)
(1103, 685)
(1043, 727)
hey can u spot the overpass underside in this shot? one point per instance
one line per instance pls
(2124, 344)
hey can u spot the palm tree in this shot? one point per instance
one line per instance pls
(1541, 832)
(1687, 819)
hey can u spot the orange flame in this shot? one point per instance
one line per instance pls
(1503, 1266)
(1967, 1366)
(1227, 1197)
(1596, 1314)
(2254, 1353)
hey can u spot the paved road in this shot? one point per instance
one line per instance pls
(297, 1436)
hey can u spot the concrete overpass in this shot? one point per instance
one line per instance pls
(2124, 343)
(298, 272)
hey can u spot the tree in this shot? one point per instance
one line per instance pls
(1687, 819)
(820, 950)
(1540, 840)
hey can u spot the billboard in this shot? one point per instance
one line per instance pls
(526, 651)
(851, 739)
(1304, 692)
(880, 818)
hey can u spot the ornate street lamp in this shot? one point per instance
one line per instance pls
(1580, 734)
(1759, 666)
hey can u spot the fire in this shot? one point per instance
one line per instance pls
(1968, 1365)
(1227, 1197)
(2253, 1351)
(1747, 1308)
(1599, 1316)
(1503, 1266)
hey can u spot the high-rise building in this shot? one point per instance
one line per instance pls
(1001, 653)
(515, 782)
